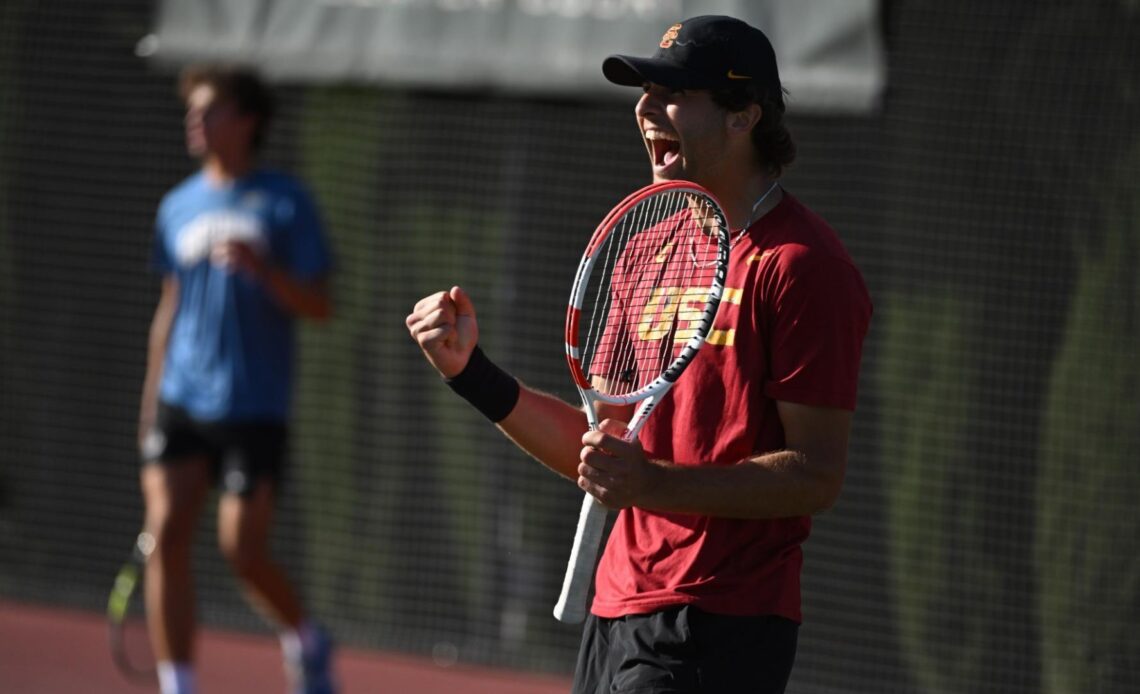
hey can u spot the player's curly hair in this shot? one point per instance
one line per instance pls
(770, 137)
(242, 86)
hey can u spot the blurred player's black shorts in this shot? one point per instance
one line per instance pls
(240, 453)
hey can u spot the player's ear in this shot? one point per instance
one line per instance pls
(744, 120)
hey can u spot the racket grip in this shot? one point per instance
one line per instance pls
(571, 605)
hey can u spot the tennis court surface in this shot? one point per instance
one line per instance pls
(52, 651)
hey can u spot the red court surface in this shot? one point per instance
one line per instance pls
(50, 651)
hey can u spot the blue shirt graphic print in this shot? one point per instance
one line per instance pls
(231, 347)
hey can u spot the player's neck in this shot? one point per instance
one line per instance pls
(225, 169)
(748, 199)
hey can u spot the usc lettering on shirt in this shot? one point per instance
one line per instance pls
(789, 328)
(687, 305)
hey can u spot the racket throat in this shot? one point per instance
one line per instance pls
(639, 417)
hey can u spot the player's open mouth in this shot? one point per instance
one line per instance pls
(665, 149)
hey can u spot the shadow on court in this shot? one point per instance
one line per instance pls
(51, 651)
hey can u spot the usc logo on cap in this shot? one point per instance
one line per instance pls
(669, 36)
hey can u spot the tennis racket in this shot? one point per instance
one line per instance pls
(642, 304)
(126, 626)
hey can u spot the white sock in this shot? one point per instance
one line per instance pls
(175, 678)
(290, 645)
(297, 642)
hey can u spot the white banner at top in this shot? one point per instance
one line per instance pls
(829, 51)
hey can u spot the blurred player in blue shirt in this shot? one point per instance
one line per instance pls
(242, 254)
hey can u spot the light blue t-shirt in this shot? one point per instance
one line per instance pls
(231, 346)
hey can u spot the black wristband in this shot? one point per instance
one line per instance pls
(491, 390)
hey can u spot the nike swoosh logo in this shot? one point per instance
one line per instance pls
(733, 76)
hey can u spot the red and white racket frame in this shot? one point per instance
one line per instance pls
(571, 605)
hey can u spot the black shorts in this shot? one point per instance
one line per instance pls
(683, 650)
(240, 453)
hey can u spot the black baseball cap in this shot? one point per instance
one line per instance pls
(706, 52)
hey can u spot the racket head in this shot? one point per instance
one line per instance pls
(646, 292)
(126, 623)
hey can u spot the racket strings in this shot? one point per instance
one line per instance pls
(646, 288)
(620, 374)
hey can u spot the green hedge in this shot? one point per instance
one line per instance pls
(1086, 547)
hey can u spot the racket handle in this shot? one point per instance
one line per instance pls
(571, 605)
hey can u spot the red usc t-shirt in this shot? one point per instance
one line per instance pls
(790, 327)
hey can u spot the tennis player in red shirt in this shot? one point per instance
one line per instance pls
(698, 589)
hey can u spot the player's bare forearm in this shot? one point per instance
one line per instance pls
(803, 479)
(781, 484)
(547, 428)
(156, 352)
(308, 299)
(444, 325)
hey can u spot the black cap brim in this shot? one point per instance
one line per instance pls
(628, 71)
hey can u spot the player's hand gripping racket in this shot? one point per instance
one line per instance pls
(126, 626)
(643, 302)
